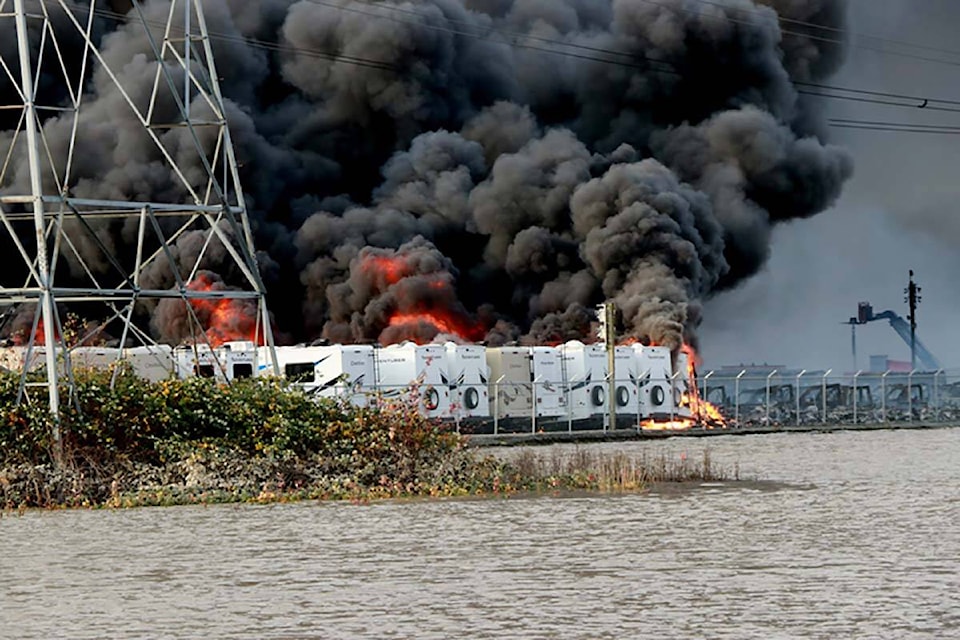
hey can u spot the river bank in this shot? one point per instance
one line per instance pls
(216, 475)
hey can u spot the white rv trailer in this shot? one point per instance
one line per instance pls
(517, 374)
(405, 367)
(15, 358)
(330, 371)
(467, 376)
(230, 361)
(152, 362)
(627, 381)
(655, 370)
(510, 393)
(585, 372)
(94, 357)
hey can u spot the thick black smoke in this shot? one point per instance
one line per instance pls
(522, 159)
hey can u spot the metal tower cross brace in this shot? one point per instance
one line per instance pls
(60, 219)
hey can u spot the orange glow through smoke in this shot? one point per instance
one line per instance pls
(443, 321)
(23, 337)
(390, 268)
(409, 320)
(228, 319)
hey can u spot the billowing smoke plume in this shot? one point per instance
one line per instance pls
(494, 168)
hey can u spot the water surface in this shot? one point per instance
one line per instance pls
(854, 535)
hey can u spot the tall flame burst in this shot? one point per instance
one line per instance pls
(226, 319)
(705, 414)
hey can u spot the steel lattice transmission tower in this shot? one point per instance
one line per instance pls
(60, 241)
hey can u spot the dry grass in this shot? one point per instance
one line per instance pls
(610, 471)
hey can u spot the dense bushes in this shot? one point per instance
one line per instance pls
(119, 414)
(130, 442)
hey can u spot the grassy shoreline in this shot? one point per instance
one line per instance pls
(132, 443)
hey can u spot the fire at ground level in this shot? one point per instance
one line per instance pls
(600, 434)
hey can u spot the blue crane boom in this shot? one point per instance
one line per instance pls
(902, 327)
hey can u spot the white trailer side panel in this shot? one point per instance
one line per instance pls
(628, 397)
(467, 379)
(547, 370)
(419, 370)
(510, 376)
(151, 362)
(655, 369)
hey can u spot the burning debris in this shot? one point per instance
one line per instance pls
(692, 409)
(486, 170)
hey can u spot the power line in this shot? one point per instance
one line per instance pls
(894, 127)
(881, 123)
(838, 31)
(864, 95)
(270, 46)
(819, 90)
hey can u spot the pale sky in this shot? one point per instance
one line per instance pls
(900, 211)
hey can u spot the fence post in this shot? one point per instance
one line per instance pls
(703, 396)
(823, 394)
(856, 392)
(645, 374)
(772, 373)
(673, 396)
(936, 392)
(570, 403)
(799, 375)
(496, 404)
(736, 398)
(910, 394)
(533, 405)
(883, 396)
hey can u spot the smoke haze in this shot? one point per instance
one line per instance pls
(897, 213)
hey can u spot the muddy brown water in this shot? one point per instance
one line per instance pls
(846, 535)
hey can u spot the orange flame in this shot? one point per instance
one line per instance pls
(227, 319)
(22, 337)
(417, 320)
(442, 321)
(705, 414)
(670, 425)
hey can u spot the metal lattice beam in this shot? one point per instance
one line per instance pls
(51, 217)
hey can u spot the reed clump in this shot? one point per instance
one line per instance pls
(617, 471)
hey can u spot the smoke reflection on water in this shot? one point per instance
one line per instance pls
(846, 535)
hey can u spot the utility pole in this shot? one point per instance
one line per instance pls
(606, 314)
(912, 298)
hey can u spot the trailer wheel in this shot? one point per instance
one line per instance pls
(597, 396)
(623, 396)
(431, 399)
(471, 398)
(657, 396)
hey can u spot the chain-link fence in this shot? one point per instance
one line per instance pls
(723, 400)
(823, 398)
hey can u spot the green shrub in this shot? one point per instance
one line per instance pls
(116, 414)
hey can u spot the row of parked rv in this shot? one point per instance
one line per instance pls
(566, 382)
